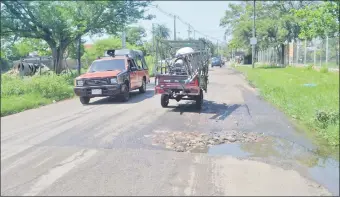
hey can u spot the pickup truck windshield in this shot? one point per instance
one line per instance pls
(107, 65)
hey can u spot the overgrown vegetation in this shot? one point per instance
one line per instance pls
(19, 94)
(306, 95)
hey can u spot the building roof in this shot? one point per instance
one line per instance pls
(88, 46)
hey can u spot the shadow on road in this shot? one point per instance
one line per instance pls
(219, 111)
(135, 97)
(233, 71)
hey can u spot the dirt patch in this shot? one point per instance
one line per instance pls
(191, 141)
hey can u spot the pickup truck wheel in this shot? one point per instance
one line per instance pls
(84, 100)
(142, 89)
(164, 100)
(199, 101)
(125, 96)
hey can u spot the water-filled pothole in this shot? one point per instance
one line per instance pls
(322, 169)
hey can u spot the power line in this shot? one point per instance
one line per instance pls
(190, 27)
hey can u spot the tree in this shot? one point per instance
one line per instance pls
(161, 31)
(148, 48)
(22, 47)
(72, 49)
(318, 20)
(60, 23)
(100, 46)
(135, 35)
(275, 24)
(211, 46)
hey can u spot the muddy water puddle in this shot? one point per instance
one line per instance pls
(250, 145)
(322, 169)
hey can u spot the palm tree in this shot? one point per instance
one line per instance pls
(161, 31)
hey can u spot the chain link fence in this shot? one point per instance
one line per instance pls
(316, 52)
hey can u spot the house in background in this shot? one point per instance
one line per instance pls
(88, 46)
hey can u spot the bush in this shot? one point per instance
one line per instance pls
(5, 65)
(309, 67)
(324, 69)
(323, 119)
(20, 93)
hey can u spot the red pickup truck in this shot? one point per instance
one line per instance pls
(115, 75)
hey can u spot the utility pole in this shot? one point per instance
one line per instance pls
(78, 48)
(314, 55)
(297, 52)
(174, 27)
(153, 37)
(194, 34)
(254, 39)
(123, 39)
(189, 31)
(326, 49)
(79, 61)
(305, 55)
(217, 48)
(226, 44)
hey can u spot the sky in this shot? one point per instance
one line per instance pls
(203, 16)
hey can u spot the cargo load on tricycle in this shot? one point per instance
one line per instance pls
(181, 71)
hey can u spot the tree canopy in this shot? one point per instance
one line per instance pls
(318, 20)
(135, 35)
(210, 45)
(161, 31)
(60, 23)
(100, 46)
(278, 22)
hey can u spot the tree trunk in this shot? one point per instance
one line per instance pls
(282, 58)
(58, 54)
(278, 54)
(337, 53)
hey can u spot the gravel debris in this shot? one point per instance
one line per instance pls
(188, 141)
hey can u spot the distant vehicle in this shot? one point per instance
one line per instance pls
(216, 61)
(114, 75)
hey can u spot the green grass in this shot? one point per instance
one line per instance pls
(19, 94)
(314, 108)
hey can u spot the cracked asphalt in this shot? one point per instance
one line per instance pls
(104, 149)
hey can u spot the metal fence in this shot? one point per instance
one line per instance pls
(316, 52)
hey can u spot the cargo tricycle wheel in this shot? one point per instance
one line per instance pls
(164, 100)
(199, 100)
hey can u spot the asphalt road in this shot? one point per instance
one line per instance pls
(105, 148)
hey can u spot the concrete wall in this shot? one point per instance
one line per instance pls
(72, 63)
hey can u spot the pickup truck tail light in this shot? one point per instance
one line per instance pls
(196, 82)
